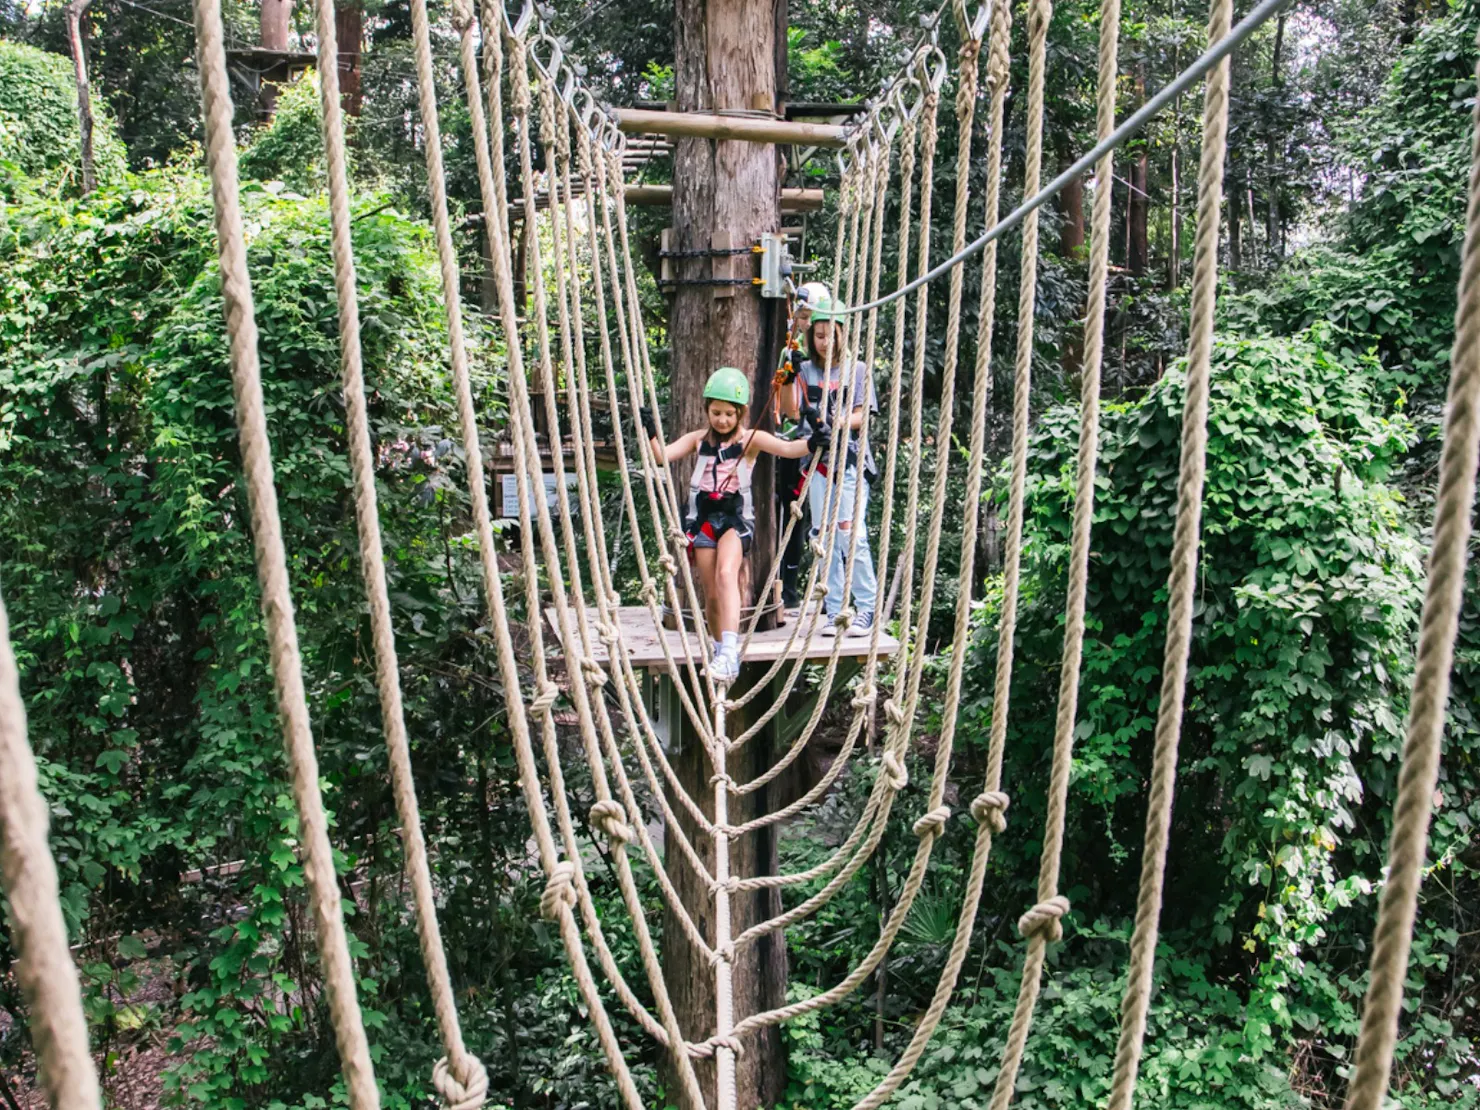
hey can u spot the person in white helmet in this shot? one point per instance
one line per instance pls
(825, 383)
(789, 407)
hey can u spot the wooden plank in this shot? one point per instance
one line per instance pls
(706, 125)
(645, 650)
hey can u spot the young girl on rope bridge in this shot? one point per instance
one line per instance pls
(720, 520)
(825, 387)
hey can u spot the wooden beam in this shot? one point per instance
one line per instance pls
(661, 196)
(704, 125)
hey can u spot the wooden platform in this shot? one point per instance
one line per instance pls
(640, 637)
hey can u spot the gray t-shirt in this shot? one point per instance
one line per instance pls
(827, 391)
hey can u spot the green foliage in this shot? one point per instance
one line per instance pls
(290, 149)
(131, 588)
(39, 144)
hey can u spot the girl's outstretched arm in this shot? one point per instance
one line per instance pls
(786, 448)
(681, 447)
(684, 445)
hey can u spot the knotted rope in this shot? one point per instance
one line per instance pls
(459, 1076)
(1073, 647)
(272, 565)
(1183, 577)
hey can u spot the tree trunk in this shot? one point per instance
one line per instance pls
(1071, 205)
(272, 35)
(1235, 247)
(1272, 163)
(1071, 247)
(1138, 204)
(1174, 256)
(726, 194)
(349, 29)
(75, 12)
(1138, 212)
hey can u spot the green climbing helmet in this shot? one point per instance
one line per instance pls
(728, 384)
(828, 310)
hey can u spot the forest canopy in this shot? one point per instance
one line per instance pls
(126, 568)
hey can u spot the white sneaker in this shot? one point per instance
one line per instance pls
(862, 625)
(724, 667)
(829, 626)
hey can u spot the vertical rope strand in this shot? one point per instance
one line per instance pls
(44, 967)
(1442, 600)
(1183, 576)
(458, 1076)
(272, 565)
(1050, 903)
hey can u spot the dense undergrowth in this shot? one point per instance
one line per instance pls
(126, 563)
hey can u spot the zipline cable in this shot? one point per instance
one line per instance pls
(1185, 80)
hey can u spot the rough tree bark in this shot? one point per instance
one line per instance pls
(727, 194)
(1071, 246)
(1138, 206)
(272, 28)
(349, 30)
(75, 11)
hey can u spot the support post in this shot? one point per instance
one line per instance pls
(727, 59)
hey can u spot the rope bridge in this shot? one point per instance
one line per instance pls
(594, 288)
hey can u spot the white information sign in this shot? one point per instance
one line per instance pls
(509, 509)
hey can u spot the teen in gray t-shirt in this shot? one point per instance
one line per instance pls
(826, 390)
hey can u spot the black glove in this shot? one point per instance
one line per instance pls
(821, 436)
(649, 421)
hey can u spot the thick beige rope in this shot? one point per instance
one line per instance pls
(272, 566)
(459, 1076)
(899, 712)
(1084, 500)
(560, 898)
(989, 807)
(1183, 577)
(660, 495)
(609, 812)
(1442, 600)
(44, 967)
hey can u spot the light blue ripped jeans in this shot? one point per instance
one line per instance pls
(865, 586)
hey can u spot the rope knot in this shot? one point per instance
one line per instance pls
(679, 538)
(721, 777)
(465, 1090)
(990, 808)
(895, 712)
(462, 20)
(865, 697)
(933, 823)
(705, 1050)
(668, 563)
(725, 953)
(1043, 919)
(611, 819)
(544, 701)
(844, 617)
(608, 633)
(819, 589)
(560, 891)
(595, 675)
(796, 509)
(729, 886)
(895, 772)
